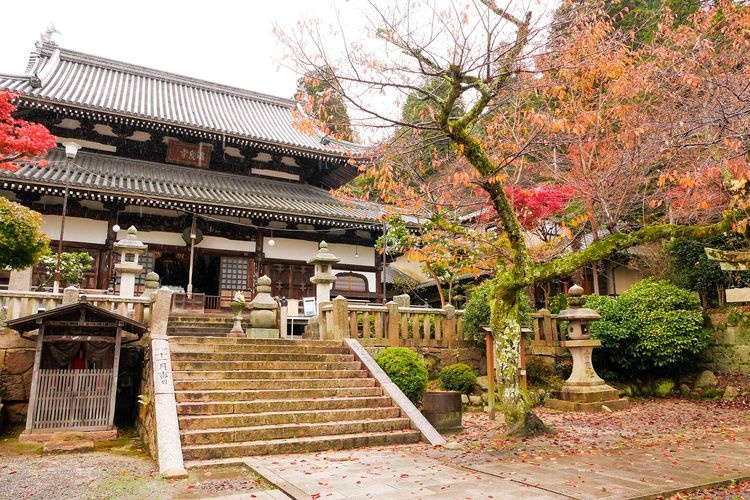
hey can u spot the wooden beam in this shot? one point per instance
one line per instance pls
(79, 338)
(115, 373)
(85, 324)
(35, 380)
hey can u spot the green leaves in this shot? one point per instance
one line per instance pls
(405, 369)
(653, 325)
(22, 242)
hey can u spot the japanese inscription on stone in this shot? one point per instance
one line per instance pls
(162, 369)
(193, 155)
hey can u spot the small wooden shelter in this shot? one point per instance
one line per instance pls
(74, 382)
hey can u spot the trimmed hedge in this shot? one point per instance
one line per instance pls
(651, 326)
(406, 369)
(458, 377)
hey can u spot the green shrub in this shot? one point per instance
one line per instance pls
(458, 377)
(651, 326)
(477, 312)
(406, 369)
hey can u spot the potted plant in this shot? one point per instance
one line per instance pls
(444, 409)
(237, 305)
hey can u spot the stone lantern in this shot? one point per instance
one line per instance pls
(264, 313)
(323, 277)
(584, 390)
(130, 249)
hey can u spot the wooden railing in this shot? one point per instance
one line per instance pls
(392, 324)
(17, 304)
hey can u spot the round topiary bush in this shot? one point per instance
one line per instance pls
(653, 325)
(406, 369)
(458, 377)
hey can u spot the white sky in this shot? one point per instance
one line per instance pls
(222, 41)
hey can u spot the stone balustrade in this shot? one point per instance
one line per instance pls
(392, 324)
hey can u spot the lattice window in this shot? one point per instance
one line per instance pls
(147, 260)
(234, 273)
(350, 282)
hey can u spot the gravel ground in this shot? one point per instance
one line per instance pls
(120, 471)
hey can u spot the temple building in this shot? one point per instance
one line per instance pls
(178, 157)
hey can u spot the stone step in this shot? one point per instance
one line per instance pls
(195, 422)
(266, 374)
(285, 393)
(299, 445)
(292, 384)
(268, 432)
(202, 330)
(247, 341)
(269, 405)
(264, 365)
(266, 356)
(256, 349)
(201, 318)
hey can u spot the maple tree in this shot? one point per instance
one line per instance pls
(22, 241)
(624, 129)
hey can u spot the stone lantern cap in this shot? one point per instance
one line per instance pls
(575, 312)
(130, 244)
(323, 256)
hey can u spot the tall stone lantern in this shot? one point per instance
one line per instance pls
(584, 390)
(323, 277)
(130, 249)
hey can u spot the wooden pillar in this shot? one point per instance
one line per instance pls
(115, 374)
(35, 379)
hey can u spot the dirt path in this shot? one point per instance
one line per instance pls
(118, 470)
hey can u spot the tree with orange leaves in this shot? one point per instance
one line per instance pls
(580, 108)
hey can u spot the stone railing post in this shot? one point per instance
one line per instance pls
(449, 324)
(402, 300)
(393, 323)
(70, 295)
(160, 313)
(325, 331)
(340, 318)
(546, 323)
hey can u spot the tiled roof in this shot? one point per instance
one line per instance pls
(93, 175)
(65, 77)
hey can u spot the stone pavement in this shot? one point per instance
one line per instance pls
(405, 472)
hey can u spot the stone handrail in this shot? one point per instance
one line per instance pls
(17, 304)
(391, 324)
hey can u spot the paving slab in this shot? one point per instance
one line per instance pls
(393, 473)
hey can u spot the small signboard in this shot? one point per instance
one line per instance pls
(308, 306)
(192, 155)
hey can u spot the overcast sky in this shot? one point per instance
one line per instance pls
(228, 42)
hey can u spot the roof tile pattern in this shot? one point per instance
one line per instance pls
(94, 83)
(140, 179)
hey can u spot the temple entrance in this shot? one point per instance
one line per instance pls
(172, 269)
(206, 270)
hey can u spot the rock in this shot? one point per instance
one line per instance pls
(77, 445)
(645, 387)
(483, 382)
(475, 400)
(484, 397)
(452, 445)
(464, 399)
(684, 389)
(730, 393)
(18, 361)
(705, 379)
(16, 412)
(606, 409)
(12, 388)
(663, 387)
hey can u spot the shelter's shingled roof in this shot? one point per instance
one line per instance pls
(57, 76)
(93, 175)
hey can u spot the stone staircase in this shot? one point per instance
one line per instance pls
(197, 325)
(244, 397)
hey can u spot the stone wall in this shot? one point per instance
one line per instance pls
(16, 365)
(729, 350)
(146, 421)
(438, 358)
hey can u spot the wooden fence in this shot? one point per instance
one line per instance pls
(392, 324)
(73, 400)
